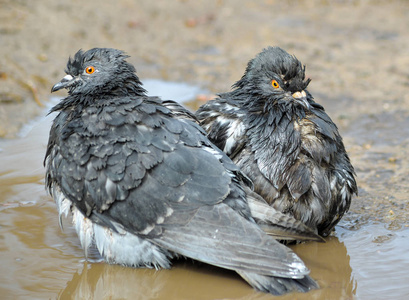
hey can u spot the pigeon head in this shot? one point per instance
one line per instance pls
(274, 76)
(99, 70)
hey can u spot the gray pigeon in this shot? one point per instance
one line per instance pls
(144, 185)
(270, 126)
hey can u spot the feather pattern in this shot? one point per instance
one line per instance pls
(286, 144)
(144, 184)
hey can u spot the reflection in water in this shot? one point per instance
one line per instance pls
(363, 260)
(184, 281)
(329, 262)
(330, 265)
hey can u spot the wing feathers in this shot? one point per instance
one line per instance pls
(219, 236)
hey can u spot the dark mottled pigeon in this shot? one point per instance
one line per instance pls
(144, 184)
(270, 126)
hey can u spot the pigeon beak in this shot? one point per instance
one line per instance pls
(66, 82)
(302, 97)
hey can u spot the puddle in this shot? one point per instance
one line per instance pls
(363, 260)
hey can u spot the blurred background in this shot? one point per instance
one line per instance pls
(355, 52)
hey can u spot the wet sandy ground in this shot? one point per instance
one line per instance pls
(357, 55)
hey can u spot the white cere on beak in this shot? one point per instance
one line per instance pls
(67, 78)
(299, 95)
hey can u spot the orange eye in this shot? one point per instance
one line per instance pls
(90, 70)
(275, 84)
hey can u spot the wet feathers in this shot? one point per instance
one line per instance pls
(283, 140)
(144, 184)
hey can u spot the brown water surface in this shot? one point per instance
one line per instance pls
(366, 258)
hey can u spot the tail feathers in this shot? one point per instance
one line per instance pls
(277, 224)
(278, 285)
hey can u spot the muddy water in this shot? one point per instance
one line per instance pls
(366, 258)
